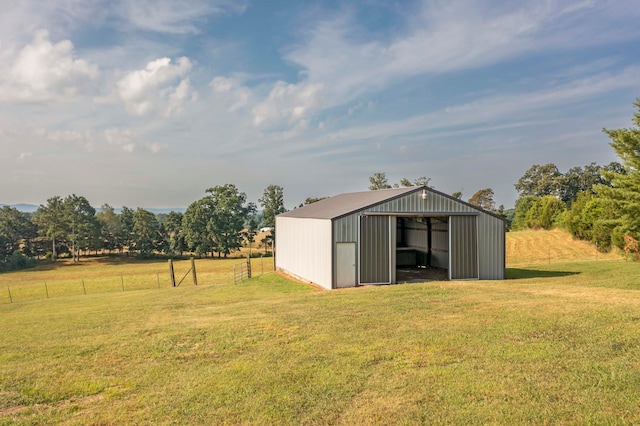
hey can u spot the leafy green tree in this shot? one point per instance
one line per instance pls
(578, 179)
(483, 199)
(311, 200)
(457, 195)
(17, 231)
(250, 232)
(16, 235)
(230, 210)
(110, 228)
(523, 205)
(546, 212)
(173, 227)
(272, 202)
(145, 232)
(125, 236)
(52, 222)
(423, 181)
(195, 224)
(539, 181)
(624, 192)
(81, 223)
(378, 181)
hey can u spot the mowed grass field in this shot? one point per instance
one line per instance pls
(555, 343)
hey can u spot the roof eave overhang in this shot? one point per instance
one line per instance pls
(421, 214)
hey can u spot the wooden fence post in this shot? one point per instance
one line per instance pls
(84, 288)
(193, 271)
(171, 275)
(10, 298)
(122, 282)
(46, 289)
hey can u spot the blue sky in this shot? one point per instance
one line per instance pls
(149, 103)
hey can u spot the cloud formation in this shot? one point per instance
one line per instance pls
(221, 91)
(152, 89)
(44, 71)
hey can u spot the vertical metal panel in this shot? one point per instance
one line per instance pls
(440, 243)
(463, 248)
(345, 229)
(374, 249)
(304, 249)
(491, 247)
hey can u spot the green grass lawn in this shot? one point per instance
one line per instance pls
(553, 344)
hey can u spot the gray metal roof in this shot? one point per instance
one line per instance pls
(342, 204)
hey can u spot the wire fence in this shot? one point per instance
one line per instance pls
(210, 272)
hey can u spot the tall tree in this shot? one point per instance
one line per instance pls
(145, 232)
(483, 199)
(125, 235)
(523, 205)
(51, 221)
(195, 226)
(272, 203)
(81, 222)
(539, 181)
(16, 233)
(624, 192)
(579, 179)
(230, 211)
(546, 212)
(173, 226)
(378, 181)
(110, 228)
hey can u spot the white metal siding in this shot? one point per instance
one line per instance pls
(304, 249)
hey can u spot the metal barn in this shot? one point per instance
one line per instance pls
(390, 236)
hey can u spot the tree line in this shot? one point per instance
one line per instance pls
(600, 204)
(219, 223)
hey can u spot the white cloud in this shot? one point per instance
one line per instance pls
(123, 139)
(288, 104)
(148, 90)
(442, 37)
(232, 91)
(169, 16)
(155, 147)
(84, 140)
(44, 71)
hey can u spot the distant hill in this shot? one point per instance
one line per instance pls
(30, 208)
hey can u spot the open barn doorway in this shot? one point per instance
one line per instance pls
(422, 249)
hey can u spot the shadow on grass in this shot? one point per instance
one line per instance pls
(518, 273)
